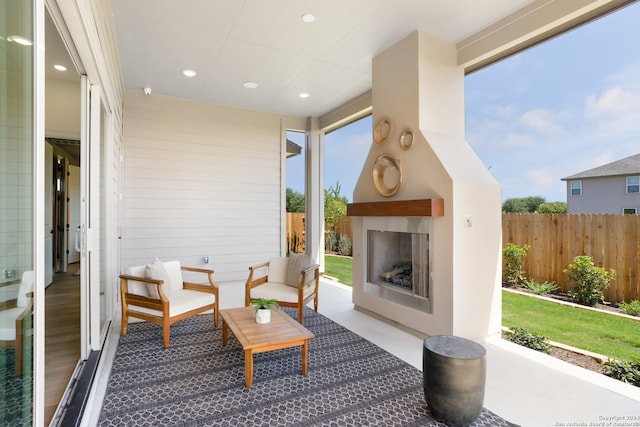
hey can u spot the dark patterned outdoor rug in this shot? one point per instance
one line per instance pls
(198, 382)
(15, 391)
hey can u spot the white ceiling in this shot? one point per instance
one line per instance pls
(228, 42)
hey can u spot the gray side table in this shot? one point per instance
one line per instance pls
(454, 372)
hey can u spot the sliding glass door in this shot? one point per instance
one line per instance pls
(18, 201)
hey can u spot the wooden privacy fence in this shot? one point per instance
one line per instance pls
(613, 241)
(295, 230)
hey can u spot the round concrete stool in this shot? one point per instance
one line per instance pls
(454, 372)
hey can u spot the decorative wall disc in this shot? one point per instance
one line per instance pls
(406, 139)
(382, 130)
(387, 175)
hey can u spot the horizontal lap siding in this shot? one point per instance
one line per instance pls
(555, 239)
(201, 180)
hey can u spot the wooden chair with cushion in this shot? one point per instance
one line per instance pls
(292, 281)
(15, 325)
(157, 293)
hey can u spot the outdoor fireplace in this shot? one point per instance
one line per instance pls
(398, 267)
(426, 211)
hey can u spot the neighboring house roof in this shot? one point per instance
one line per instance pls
(627, 166)
(293, 149)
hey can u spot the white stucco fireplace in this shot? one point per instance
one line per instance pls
(426, 212)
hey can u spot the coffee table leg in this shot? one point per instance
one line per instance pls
(248, 368)
(305, 353)
(225, 332)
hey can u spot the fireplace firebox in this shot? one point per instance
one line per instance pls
(398, 267)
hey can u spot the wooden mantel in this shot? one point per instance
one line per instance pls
(421, 207)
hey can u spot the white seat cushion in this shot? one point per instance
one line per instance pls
(280, 291)
(182, 301)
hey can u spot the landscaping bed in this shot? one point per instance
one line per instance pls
(574, 356)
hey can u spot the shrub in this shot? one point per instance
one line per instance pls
(589, 281)
(528, 339)
(344, 245)
(513, 260)
(631, 308)
(628, 372)
(540, 288)
(294, 243)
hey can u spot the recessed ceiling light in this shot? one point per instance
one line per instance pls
(20, 40)
(250, 85)
(60, 67)
(308, 17)
(304, 95)
(189, 73)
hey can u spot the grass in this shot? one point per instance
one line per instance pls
(613, 336)
(338, 267)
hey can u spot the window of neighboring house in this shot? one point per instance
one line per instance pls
(629, 211)
(576, 188)
(633, 184)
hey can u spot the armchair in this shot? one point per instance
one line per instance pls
(157, 293)
(15, 327)
(292, 282)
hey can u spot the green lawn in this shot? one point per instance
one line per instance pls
(606, 334)
(613, 336)
(338, 267)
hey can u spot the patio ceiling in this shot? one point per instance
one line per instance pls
(230, 42)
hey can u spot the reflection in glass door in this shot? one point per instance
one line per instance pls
(17, 210)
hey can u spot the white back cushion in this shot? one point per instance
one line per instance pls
(278, 269)
(135, 287)
(175, 274)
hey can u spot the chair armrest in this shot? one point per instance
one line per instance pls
(211, 287)
(26, 311)
(124, 287)
(258, 274)
(6, 305)
(304, 274)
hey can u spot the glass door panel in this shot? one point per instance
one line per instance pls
(17, 209)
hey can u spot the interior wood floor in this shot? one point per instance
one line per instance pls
(62, 336)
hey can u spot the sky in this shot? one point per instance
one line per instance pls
(559, 108)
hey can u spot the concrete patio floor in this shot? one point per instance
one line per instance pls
(523, 386)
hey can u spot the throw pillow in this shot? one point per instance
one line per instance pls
(155, 270)
(297, 263)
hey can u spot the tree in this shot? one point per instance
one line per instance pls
(552, 207)
(335, 205)
(295, 201)
(522, 204)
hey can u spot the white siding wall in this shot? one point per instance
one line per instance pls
(604, 195)
(201, 180)
(16, 178)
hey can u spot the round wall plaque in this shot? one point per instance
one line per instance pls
(406, 139)
(387, 175)
(382, 130)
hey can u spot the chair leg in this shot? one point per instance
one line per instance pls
(300, 312)
(166, 332)
(125, 324)
(315, 302)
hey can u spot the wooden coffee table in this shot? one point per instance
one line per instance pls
(282, 332)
